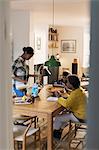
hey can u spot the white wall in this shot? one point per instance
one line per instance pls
(20, 30)
(39, 29)
(40, 23)
(35, 25)
(71, 33)
(40, 54)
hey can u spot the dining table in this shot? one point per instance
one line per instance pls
(42, 108)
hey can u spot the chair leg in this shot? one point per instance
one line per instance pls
(77, 126)
(39, 139)
(18, 145)
(70, 125)
(14, 145)
(75, 131)
(24, 144)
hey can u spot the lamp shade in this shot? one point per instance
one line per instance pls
(52, 62)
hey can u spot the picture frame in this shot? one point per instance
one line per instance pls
(38, 43)
(68, 46)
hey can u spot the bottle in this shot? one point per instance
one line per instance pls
(75, 66)
(35, 90)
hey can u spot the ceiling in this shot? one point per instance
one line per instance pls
(77, 10)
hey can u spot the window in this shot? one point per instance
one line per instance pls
(86, 52)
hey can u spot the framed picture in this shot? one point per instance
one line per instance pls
(38, 43)
(68, 46)
(37, 39)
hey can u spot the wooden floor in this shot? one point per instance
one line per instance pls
(56, 145)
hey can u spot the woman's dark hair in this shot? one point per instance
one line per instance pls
(29, 50)
(74, 81)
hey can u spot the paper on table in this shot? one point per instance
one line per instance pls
(18, 98)
(53, 99)
(23, 103)
(19, 101)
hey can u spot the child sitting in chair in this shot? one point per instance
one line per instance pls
(76, 103)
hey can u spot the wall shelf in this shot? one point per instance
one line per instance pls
(52, 38)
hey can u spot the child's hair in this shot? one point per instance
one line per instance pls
(74, 81)
(66, 73)
(29, 50)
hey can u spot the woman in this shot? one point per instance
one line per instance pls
(20, 69)
(76, 103)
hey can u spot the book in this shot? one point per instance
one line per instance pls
(52, 99)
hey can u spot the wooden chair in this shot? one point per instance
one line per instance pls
(22, 120)
(21, 132)
(77, 140)
(70, 137)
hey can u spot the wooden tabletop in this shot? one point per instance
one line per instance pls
(40, 105)
(43, 108)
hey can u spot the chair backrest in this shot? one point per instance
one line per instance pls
(26, 131)
(77, 124)
(29, 126)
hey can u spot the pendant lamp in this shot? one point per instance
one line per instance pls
(52, 62)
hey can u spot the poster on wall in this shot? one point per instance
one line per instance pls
(68, 46)
(37, 42)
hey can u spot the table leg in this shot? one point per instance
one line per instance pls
(50, 132)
